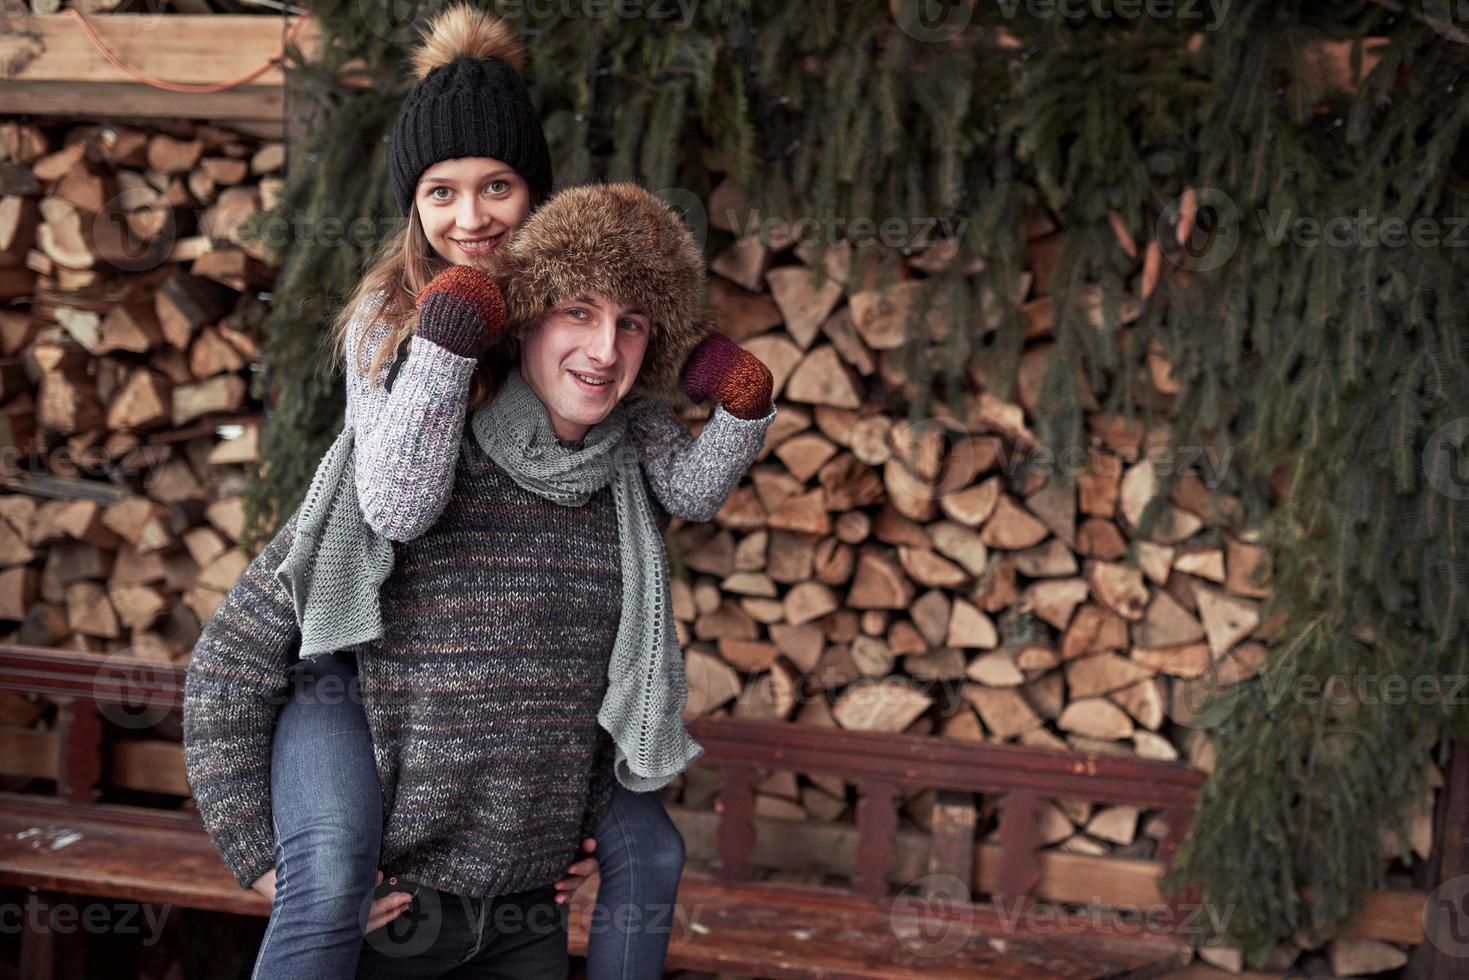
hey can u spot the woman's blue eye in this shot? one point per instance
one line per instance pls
(504, 186)
(435, 191)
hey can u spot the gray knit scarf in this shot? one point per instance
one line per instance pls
(337, 565)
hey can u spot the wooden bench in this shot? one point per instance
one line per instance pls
(733, 922)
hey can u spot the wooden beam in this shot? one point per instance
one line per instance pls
(49, 65)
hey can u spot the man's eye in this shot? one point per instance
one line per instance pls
(632, 324)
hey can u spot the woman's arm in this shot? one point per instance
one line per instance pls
(692, 478)
(235, 685)
(406, 441)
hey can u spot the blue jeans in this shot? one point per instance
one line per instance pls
(327, 805)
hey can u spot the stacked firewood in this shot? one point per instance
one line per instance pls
(128, 323)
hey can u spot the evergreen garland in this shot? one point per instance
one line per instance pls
(1337, 371)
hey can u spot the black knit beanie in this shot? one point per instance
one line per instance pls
(468, 105)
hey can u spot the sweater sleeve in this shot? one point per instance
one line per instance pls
(692, 478)
(406, 441)
(234, 688)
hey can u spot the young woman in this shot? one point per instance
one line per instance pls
(469, 164)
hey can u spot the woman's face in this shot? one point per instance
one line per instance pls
(469, 206)
(593, 338)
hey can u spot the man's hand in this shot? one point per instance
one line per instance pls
(265, 885)
(383, 911)
(578, 873)
(387, 908)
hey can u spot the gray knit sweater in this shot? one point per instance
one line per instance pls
(407, 440)
(500, 616)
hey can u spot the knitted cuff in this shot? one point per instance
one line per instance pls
(462, 310)
(721, 369)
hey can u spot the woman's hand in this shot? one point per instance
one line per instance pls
(387, 908)
(462, 310)
(721, 369)
(578, 873)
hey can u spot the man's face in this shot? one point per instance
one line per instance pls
(469, 206)
(582, 359)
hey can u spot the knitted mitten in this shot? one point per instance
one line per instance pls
(462, 310)
(738, 380)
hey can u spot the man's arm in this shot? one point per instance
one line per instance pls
(234, 688)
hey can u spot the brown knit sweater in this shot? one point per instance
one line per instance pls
(481, 696)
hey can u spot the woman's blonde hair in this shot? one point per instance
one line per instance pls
(403, 265)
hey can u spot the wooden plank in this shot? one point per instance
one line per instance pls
(116, 852)
(29, 753)
(950, 854)
(251, 103)
(51, 67)
(184, 48)
(149, 765)
(772, 930)
(929, 763)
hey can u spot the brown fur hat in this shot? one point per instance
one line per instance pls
(621, 241)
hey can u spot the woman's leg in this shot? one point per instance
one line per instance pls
(640, 854)
(327, 805)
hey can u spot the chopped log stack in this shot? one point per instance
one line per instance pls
(128, 325)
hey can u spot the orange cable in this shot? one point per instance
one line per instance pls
(182, 87)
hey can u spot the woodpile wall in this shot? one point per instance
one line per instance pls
(128, 331)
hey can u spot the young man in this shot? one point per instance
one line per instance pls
(524, 655)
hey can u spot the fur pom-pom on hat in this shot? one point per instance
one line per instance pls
(463, 30)
(623, 242)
